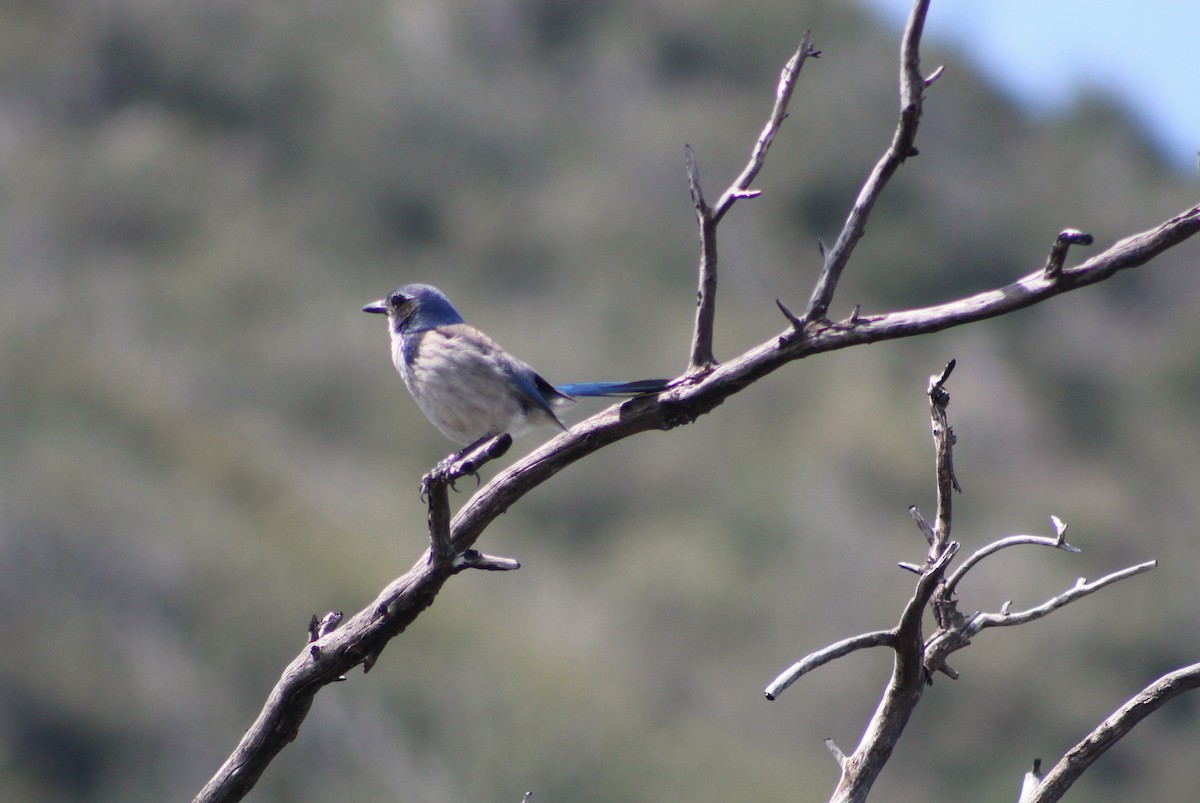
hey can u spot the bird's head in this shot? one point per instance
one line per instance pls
(414, 308)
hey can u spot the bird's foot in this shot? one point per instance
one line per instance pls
(465, 462)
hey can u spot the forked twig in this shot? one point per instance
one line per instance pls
(707, 217)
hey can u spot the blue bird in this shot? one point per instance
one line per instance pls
(466, 384)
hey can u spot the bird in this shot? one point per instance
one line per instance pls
(465, 383)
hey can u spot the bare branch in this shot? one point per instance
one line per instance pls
(955, 631)
(879, 638)
(915, 514)
(791, 316)
(836, 752)
(1003, 543)
(707, 217)
(911, 86)
(687, 400)
(916, 660)
(1031, 289)
(943, 442)
(902, 694)
(1059, 779)
(909, 626)
(325, 661)
(740, 188)
(1130, 252)
(334, 651)
(473, 559)
(702, 358)
(1081, 589)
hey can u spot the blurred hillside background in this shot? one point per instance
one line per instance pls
(204, 442)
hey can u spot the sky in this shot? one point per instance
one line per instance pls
(1145, 54)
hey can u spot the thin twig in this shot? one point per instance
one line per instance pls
(836, 752)
(707, 218)
(1082, 588)
(996, 546)
(740, 188)
(911, 86)
(879, 638)
(474, 559)
(956, 631)
(1030, 289)
(943, 442)
(791, 316)
(915, 514)
(702, 358)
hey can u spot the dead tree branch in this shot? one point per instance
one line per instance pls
(1055, 783)
(334, 652)
(1012, 540)
(909, 674)
(880, 638)
(707, 217)
(943, 440)
(1082, 588)
(917, 659)
(900, 698)
(912, 86)
(705, 385)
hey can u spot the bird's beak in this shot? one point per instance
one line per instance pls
(378, 307)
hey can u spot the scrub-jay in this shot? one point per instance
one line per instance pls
(466, 384)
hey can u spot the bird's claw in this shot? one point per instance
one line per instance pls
(448, 471)
(465, 463)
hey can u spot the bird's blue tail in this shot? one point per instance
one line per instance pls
(637, 388)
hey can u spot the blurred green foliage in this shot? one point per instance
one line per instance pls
(204, 442)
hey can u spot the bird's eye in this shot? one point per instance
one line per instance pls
(397, 299)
